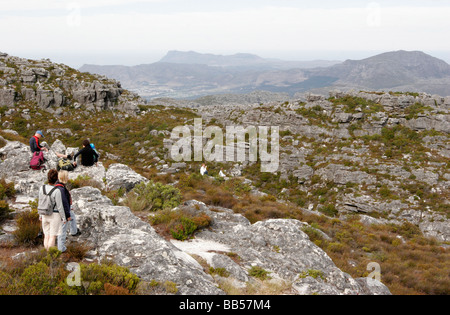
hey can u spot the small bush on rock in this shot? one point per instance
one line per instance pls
(28, 227)
(180, 224)
(153, 197)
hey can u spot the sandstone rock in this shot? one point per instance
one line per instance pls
(117, 234)
(121, 176)
(304, 173)
(342, 175)
(278, 246)
(52, 89)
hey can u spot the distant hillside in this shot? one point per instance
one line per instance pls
(241, 60)
(391, 70)
(193, 75)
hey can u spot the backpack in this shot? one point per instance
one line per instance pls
(65, 165)
(37, 160)
(45, 205)
(95, 150)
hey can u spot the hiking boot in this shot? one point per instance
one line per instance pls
(76, 234)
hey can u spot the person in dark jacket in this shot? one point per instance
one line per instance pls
(71, 223)
(35, 145)
(88, 155)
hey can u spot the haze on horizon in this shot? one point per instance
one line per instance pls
(76, 32)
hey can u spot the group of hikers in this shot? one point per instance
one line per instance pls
(55, 201)
(89, 155)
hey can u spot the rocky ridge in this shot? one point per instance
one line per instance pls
(54, 86)
(278, 246)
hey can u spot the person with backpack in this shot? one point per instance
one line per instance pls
(37, 148)
(71, 224)
(36, 145)
(51, 210)
(89, 156)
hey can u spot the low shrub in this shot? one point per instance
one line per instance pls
(4, 210)
(28, 228)
(313, 273)
(258, 272)
(184, 229)
(7, 190)
(153, 197)
(329, 210)
(180, 224)
(83, 181)
(45, 274)
(107, 277)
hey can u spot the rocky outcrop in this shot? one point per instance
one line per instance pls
(328, 139)
(53, 86)
(278, 246)
(115, 233)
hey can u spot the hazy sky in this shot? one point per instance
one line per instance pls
(142, 31)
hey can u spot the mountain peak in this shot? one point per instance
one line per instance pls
(391, 69)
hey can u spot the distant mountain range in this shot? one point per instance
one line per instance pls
(241, 61)
(192, 74)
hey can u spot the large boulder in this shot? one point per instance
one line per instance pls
(115, 233)
(122, 176)
(277, 246)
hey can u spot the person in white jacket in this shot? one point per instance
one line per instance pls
(203, 170)
(52, 224)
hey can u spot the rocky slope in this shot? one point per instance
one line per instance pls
(278, 246)
(371, 168)
(385, 154)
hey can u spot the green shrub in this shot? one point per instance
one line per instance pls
(312, 273)
(44, 273)
(329, 210)
(28, 227)
(259, 273)
(4, 210)
(97, 276)
(180, 224)
(336, 247)
(222, 272)
(7, 190)
(184, 229)
(153, 197)
(83, 181)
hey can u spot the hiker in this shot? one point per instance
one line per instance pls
(203, 170)
(35, 144)
(88, 155)
(71, 223)
(51, 224)
(37, 148)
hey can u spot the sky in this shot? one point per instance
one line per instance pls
(131, 32)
